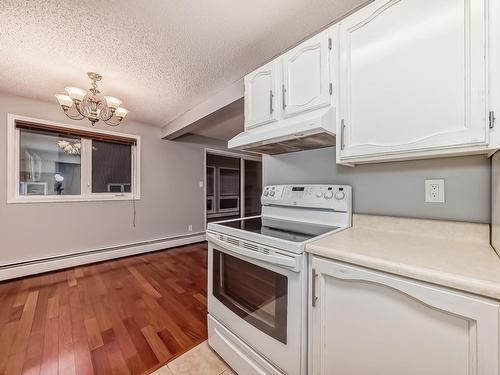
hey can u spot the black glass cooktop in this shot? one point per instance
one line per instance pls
(282, 229)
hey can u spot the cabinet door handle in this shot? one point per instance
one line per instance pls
(342, 131)
(271, 96)
(283, 96)
(314, 298)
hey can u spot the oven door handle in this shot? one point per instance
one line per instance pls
(280, 260)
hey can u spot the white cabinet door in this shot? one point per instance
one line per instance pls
(371, 323)
(262, 94)
(306, 78)
(412, 78)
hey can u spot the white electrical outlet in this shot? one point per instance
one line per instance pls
(201, 184)
(190, 228)
(434, 191)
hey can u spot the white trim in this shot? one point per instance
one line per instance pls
(101, 197)
(86, 167)
(205, 212)
(96, 255)
(241, 202)
(226, 211)
(211, 198)
(86, 195)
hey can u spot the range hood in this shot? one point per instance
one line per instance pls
(303, 132)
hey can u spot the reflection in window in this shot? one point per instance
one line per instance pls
(111, 167)
(50, 163)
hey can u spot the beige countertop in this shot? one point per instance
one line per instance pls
(452, 254)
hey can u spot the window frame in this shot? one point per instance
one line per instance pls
(86, 195)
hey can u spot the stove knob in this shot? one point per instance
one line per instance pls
(266, 193)
(329, 195)
(271, 193)
(339, 195)
(319, 194)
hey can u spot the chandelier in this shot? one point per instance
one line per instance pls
(91, 104)
(71, 148)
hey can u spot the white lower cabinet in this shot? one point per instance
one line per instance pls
(364, 322)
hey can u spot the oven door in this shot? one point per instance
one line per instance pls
(260, 297)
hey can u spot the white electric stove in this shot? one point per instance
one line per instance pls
(257, 279)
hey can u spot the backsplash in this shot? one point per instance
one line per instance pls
(395, 188)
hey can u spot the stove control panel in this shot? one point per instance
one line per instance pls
(334, 197)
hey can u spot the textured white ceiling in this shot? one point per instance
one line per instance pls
(162, 57)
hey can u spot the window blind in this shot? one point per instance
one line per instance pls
(98, 136)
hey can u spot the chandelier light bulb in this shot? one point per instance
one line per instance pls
(113, 102)
(71, 148)
(64, 100)
(121, 112)
(75, 93)
(62, 143)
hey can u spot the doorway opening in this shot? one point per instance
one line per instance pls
(233, 185)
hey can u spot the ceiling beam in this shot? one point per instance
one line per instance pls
(186, 122)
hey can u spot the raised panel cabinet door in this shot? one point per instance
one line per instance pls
(306, 78)
(369, 322)
(261, 95)
(412, 77)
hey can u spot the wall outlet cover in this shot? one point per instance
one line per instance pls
(434, 191)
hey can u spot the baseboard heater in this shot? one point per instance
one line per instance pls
(34, 266)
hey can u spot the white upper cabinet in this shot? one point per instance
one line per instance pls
(261, 95)
(306, 79)
(412, 80)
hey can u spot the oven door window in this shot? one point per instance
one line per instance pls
(256, 294)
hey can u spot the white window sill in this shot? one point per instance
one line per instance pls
(76, 198)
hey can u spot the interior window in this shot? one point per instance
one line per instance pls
(61, 163)
(111, 167)
(49, 163)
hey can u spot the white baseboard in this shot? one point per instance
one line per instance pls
(96, 255)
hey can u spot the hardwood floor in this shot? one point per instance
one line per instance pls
(125, 316)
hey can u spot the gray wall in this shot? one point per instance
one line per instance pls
(171, 197)
(394, 188)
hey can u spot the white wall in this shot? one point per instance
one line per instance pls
(171, 198)
(394, 188)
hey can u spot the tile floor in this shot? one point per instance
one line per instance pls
(201, 360)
